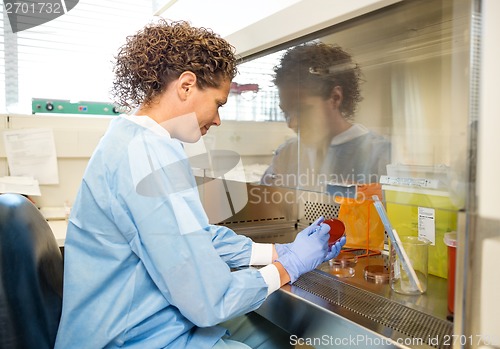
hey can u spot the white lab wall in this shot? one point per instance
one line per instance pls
(75, 139)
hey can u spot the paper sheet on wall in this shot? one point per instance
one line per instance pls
(32, 152)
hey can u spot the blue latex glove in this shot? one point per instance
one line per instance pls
(309, 250)
(282, 249)
(335, 249)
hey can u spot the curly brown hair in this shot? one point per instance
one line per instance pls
(160, 52)
(317, 68)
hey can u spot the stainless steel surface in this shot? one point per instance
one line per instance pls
(464, 225)
(433, 302)
(320, 323)
(475, 228)
(478, 284)
(469, 236)
(355, 313)
(270, 213)
(265, 204)
(280, 231)
(326, 311)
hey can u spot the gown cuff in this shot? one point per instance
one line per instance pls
(262, 254)
(271, 276)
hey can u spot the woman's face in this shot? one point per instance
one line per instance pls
(307, 115)
(206, 103)
(200, 112)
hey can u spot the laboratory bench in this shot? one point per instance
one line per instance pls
(324, 311)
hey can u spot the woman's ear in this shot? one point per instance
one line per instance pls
(186, 82)
(337, 96)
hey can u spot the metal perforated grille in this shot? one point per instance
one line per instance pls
(404, 320)
(315, 209)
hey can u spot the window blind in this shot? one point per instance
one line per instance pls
(69, 57)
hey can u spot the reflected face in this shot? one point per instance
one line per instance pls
(307, 115)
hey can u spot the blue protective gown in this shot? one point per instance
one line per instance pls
(143, 267)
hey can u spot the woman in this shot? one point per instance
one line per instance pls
(143, 267)
(319, 91)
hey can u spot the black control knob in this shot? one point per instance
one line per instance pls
(49, 106)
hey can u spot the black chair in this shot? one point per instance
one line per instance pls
(31, 276)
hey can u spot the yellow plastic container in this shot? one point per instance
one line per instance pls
(402, 204)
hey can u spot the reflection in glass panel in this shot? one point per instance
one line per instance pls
(413, 100)
(377, 105)
(319, 91)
